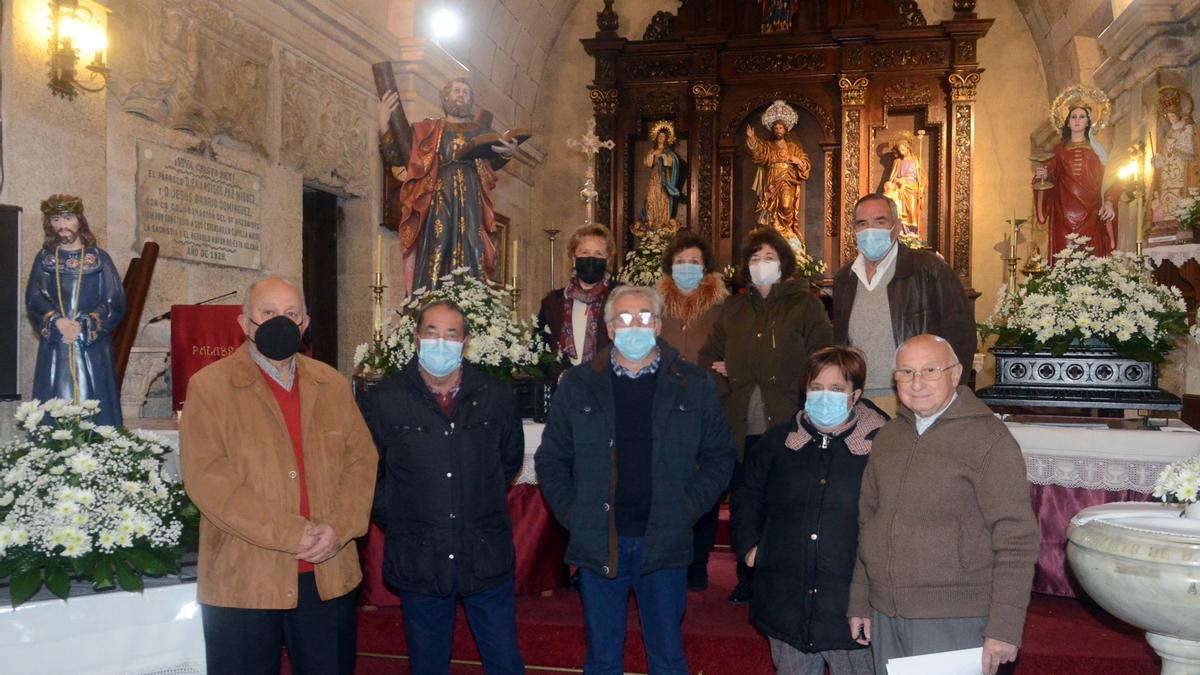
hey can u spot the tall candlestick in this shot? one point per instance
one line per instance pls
(377, 291)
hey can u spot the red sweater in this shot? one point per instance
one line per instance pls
(289, 406)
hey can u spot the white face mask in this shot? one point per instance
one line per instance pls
(764, 273)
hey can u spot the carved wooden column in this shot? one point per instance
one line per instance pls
(829, 215)
(854, 98)
(604, 106)
(957, 242)
(707, 97)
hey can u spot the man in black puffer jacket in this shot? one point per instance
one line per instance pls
(450, 443)
(635, 450)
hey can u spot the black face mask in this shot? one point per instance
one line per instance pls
(277, 338)
(590, 270)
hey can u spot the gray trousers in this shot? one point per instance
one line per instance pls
(896, 637)
(791, 661)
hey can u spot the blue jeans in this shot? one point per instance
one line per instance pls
(492, 615)
(661, 598)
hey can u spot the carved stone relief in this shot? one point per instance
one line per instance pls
(326, 127)
(191, 65)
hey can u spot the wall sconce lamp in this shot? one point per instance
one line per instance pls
(1133, 176)
(77, 29)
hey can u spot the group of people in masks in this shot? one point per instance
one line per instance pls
(668, 398)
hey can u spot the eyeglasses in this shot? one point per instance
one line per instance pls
(927, 373)
(627, 319)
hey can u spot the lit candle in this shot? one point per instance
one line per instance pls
(378, 256)
(514, 263)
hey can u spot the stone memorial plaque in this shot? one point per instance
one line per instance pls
(198, 209)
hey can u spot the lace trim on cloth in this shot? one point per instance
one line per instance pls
(1093, 474)
(1178, 254)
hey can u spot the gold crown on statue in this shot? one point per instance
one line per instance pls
(1172, 99)
(1091, 99)
(62, 203)
(780, 111)
(664, 126)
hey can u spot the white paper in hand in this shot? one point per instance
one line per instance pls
(959, 662)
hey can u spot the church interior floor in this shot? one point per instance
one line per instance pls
(1063, 636)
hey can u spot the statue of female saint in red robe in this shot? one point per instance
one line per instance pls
(1077, 204)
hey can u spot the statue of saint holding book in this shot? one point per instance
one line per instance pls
(446, 169)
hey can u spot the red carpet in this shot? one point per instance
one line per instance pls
(1062, 637)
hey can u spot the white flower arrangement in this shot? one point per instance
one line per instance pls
(1187, 211)
(84, 501)
(1112, 300)
(643, 265)
(508, 349)
(1180, 481)
(807, 267)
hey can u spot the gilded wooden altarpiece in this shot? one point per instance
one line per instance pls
(857, 72)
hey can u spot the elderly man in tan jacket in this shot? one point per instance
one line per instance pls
(277, 457)
(947, 538)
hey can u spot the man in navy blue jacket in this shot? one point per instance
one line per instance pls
(450, 443)
(635, 450)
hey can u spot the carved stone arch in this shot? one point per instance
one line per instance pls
(819, 113)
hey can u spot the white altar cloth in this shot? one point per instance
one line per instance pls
(157, 632)
(1102, 459)
(1177, 254)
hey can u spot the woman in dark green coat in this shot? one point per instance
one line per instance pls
(758, 346)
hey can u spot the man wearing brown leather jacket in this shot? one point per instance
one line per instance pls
(916, 289)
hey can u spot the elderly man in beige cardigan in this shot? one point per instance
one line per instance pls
(947, 537)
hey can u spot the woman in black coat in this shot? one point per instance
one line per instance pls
(795, 518)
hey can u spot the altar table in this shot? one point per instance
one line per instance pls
(1071, 468)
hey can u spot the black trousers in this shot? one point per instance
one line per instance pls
(319, 635)
(744, 572)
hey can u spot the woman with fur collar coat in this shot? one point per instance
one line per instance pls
(692, 297)
(692, 294)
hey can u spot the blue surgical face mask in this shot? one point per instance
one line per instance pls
(687, 276)
(827, 409)
(440, 357)
(874, 242)
(635, 342)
